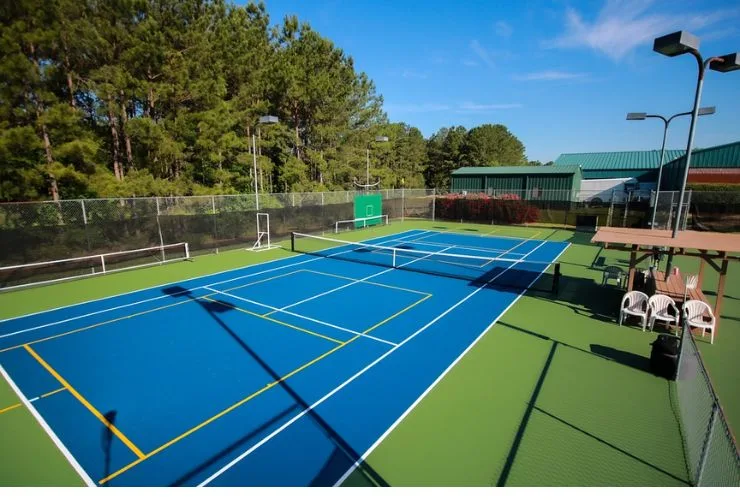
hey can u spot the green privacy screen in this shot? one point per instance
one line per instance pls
(368, 205)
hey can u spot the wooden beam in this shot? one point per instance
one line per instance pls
(643, 257)
(700, 253)
(633, 260)
(710, 260)
(720, 292)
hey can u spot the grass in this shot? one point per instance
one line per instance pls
(556, 393)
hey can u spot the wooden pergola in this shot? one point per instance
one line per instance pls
(716, 249)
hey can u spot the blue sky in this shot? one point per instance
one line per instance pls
(560, 74)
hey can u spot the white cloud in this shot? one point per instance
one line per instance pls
(482, 53)
(549, 76)
(464, 107)
(623, 25)
(418, 108)
(469, 62)
(413, 75)
(503, 29)
(471, 106)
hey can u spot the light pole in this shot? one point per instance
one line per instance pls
(676, 44)
(367, 185)
(666, 122)
(267, 119)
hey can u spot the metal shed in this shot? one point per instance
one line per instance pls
(715, 165)
(639, 165)
(557, 183)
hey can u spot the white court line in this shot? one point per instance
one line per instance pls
(275, 309)
(131, 304)
(374, 283)
(159, 297)
(487, 235)
(465, 247)
(55, 439)
(353, 377)
(491, 259)
(362, 280)
(441, 376)
(184, 281)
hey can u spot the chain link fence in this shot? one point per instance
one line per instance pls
(710, 449)
(47, 230)
(38, 231)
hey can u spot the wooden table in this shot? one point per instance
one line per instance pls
(675, 288)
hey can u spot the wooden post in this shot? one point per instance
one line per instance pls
(720, 290)
(700, 278)
(633, 263)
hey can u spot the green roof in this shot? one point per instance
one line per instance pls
(722, 156)
(618, 160)
(525, 170)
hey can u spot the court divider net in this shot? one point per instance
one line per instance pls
(39, 273)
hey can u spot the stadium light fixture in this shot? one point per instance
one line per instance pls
(367, 185)
(676, 44)
(726, 63)
(666, 121)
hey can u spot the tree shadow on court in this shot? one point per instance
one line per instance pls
(603, 352)
(343, 455)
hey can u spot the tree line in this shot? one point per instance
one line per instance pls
(164, 97)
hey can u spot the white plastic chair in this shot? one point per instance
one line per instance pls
(634, 303)
(690, 283)
(695, 312)
(662, 308)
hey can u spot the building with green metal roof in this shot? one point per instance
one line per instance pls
(715, 165)
(639, 165)
(547, 183)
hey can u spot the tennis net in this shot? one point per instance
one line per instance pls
(38, 273)
(492, 272)
(361, 222)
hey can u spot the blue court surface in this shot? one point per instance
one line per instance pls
(284, 373)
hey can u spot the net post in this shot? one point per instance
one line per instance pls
(187, 251)
(102, 262)
(292, 241)
(394, 257)
(556, 279)
(267, 217)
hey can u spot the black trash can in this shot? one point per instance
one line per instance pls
(664, 356)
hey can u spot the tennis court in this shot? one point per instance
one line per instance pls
(282, 373)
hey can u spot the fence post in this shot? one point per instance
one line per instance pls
(434, 202)
(157, 200)
(626, 208)
(84, 213)
(707, 443)
(688, 210)
(322, 198)
(403, 203)
(292, 199)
